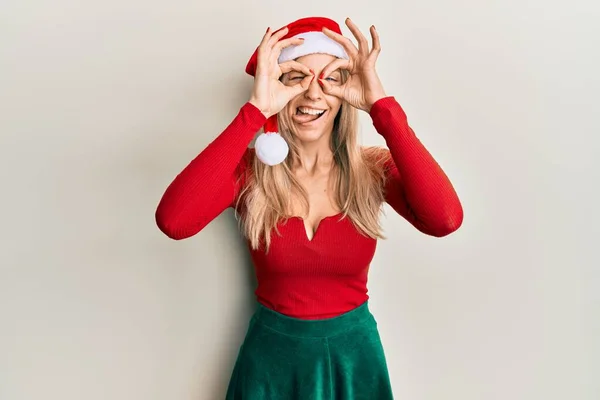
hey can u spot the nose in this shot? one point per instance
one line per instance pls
(315, 91)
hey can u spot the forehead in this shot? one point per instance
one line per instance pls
(316, 61)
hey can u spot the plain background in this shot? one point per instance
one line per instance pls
(102, 103)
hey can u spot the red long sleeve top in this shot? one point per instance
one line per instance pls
(327, 275)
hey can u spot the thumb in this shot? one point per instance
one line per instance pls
(330, 89)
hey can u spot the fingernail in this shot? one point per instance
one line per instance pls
(321, 76)
(321, 82)
(268, 29)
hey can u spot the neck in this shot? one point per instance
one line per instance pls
(315, 157)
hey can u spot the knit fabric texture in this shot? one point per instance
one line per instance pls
(327, 275)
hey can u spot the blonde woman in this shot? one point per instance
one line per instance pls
(308, 198)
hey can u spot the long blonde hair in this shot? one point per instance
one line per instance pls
(358, 181)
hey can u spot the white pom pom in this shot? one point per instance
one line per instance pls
(271, 148)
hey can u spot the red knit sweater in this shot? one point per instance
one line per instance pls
(326, 276)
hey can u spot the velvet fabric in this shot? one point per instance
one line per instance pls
(285, 358)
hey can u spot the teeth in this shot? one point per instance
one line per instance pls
(310, 111)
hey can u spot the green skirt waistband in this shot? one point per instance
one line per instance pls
(284, 358)
(312, 328)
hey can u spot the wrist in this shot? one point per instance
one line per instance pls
(256, 104)
(374, 100)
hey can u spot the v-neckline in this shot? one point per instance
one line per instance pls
(318, 226)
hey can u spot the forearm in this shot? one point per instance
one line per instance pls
(421, 188)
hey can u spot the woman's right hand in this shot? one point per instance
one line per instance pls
(269, 94)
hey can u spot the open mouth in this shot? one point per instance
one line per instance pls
(304, 114)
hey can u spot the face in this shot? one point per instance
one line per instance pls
(312, 113)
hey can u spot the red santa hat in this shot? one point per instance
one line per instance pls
(270, 147)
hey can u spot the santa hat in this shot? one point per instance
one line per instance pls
(270, 147)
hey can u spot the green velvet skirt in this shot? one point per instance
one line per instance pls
(285, 358)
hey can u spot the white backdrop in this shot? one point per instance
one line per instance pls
(102, 103)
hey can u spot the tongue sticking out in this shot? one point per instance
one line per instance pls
(304, 118)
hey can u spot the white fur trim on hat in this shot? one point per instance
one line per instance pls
(314, 42)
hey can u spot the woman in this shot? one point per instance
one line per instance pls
(308, 198)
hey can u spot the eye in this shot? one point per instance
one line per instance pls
(295, 78)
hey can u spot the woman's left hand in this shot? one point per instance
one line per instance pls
(363, 87)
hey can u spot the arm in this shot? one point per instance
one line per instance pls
(416, 186)
(207, 185)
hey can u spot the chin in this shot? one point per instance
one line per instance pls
(313, 133)
(310, 135)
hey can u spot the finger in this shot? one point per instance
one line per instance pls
(334, 66)
(376, 43)
(334, 90)
(288, 42)
(265, 37)
(342, 40)
(363, 45)
(289, 66)
(285, 43)
(265, 49)
(276, 37)
(262, 47)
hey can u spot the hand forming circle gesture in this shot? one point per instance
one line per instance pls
(363, 87)
(269, 94)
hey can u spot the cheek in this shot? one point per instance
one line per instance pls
(291, 106)
(335, 107)
(333, 102)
